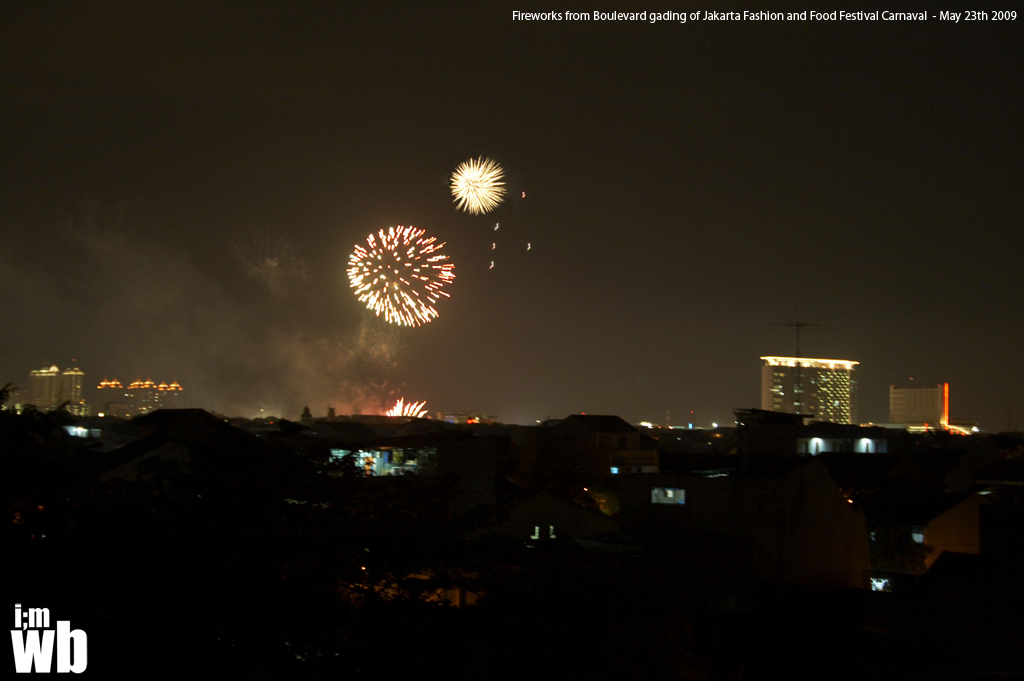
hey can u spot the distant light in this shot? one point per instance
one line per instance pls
(646, 424)
(810, 363)
(880, 584)
(101, 414)
(714, 425)
(615, 470)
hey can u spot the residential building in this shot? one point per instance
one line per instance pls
(45, 387)
(71, 391)
(140, 397)
(786, 522)
(602, 445)
(50, 387)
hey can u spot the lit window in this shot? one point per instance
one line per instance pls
(917, 536)
(881, 584)
(536, 532)
(551, 531)
(615, 470)
(668, 495)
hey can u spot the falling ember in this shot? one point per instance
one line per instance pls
(493, 245)
(477, 186)
(527, 245)
(401, 275)
(492, 265)
(414, 409)
(496, 225)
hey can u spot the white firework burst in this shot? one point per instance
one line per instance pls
(477, 185)
(414, 409)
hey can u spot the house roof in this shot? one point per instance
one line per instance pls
(595, 423)
(914, 510)
(853, 470)
(346, 431)
(1009, 472)
(189, 425)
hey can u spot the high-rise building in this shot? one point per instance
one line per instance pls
(140, 397)
(45, 387)
(71, 391)
(822, 389)
(920, 407)
(50, 387)
(113, 399)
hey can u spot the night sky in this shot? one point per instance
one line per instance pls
(687, 186)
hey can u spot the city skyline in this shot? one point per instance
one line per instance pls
(674, 192)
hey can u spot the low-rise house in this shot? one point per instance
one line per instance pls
(792, 520)
(601, 445)
(935, 522)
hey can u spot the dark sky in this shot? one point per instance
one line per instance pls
(687, 185)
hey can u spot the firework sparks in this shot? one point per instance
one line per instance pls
(477, 186)
(400, 276)
(414, 409)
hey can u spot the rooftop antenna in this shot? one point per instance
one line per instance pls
(796, 325)
(798, 384)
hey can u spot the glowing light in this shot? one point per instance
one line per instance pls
(810, 363)
(401, 275)
(492, 265)
(477, 186)
(414, 409)
(945, 405)
(881, 584)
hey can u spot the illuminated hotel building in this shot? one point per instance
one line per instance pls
(920, 407)
(822, 389)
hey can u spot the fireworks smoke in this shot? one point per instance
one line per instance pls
(269, 258)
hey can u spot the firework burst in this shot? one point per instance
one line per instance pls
(400, 275)
(477, 185)
(414, 409)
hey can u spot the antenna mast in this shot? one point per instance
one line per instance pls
(798, 383)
